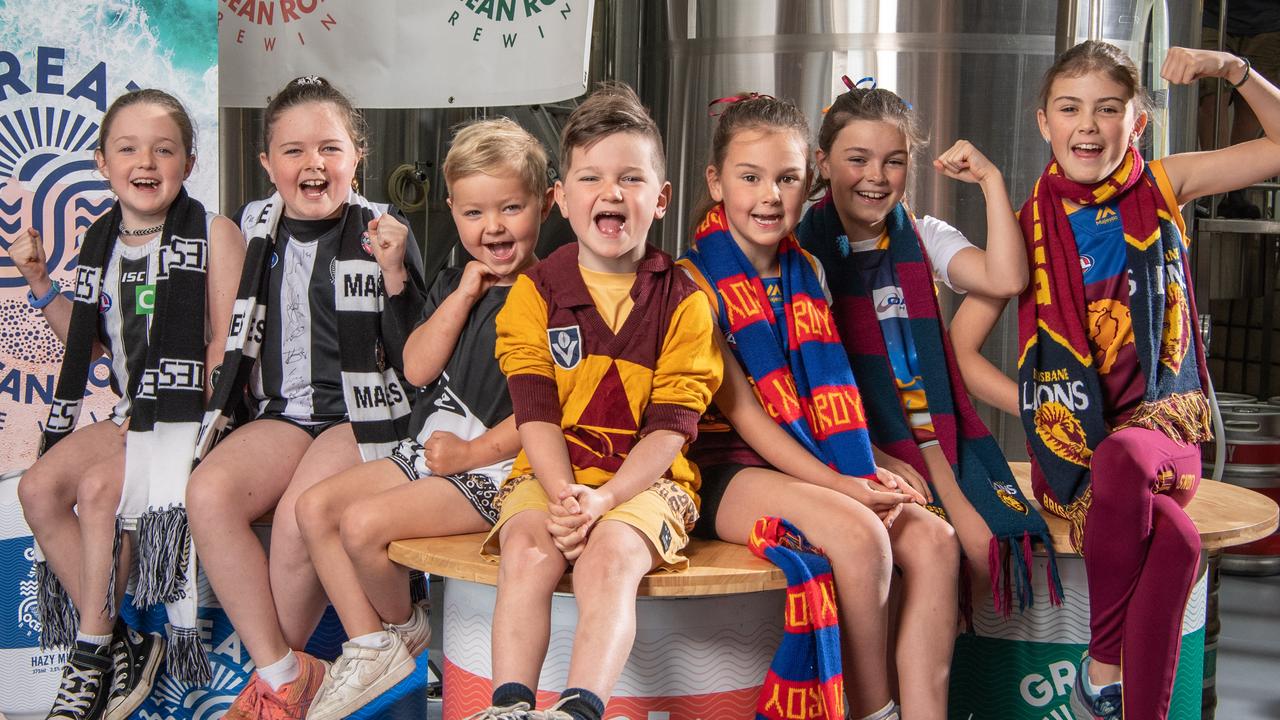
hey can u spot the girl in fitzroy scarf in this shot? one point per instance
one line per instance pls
(154, 288)
(1111, 370)
(322, 364)
(787, 436)
(881, 264)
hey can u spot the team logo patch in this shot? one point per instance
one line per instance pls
(275, 258)
(366, 244)
(566, 346)
(1177, 328)
(1062, 433)
(333, 269)
(104, 302)
(1086, 263)
(144, 299)
(1008, 495)
(665, 537)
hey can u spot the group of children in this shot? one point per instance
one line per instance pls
(792, 363)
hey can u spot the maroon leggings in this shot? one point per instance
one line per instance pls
(1141, 554)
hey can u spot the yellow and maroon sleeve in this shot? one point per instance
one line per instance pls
(688, 371)
(524, 356)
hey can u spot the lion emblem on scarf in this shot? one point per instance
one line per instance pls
(1062, 433)
(1110, 327)
(1177, 330)
(1008, 495)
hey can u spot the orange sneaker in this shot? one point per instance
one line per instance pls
(258, 702)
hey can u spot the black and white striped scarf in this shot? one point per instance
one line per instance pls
(164, 422)
(376, 400)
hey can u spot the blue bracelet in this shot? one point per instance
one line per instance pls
(40, 302)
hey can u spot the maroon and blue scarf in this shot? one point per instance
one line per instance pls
(1060, 392)
(980, 469)
(806, 386)
(807, 663)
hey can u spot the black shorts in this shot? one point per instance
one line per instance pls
(314, 429)
(715, 480)
(478, 489)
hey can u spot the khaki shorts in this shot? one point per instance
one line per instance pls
(664, 513)
(1262, 50)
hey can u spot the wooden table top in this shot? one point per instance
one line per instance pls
(1226, 515)
(715, 568)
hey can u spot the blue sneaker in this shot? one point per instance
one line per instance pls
(1105, 705)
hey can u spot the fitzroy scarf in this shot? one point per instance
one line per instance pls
(1059, 388)
(980, 469)
(164, 421)
(376, 402)
(806, 386)
(805, 678)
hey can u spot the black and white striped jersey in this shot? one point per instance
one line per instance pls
(299, 374)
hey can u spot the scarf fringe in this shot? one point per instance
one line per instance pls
(109, 604)
(418, 588)
(1010, 561)
(185, 657)
(1183, 417)
(163, 540)
(59, 619)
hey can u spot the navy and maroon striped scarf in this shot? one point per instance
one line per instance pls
(980, 469)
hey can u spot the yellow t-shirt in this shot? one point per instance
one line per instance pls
(611, 293)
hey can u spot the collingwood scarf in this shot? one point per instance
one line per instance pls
(807, 386)
(376, 402)
(808, 659)
(164, 421)
(980, 469)
(1060, 392)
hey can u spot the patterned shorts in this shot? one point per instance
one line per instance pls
(478, 489)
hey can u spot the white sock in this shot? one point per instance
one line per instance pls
(283, 671)
(888, 712)
(1094, 690)
(380, 640)
(98, 640)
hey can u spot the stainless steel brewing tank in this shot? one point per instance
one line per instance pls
(972, 69)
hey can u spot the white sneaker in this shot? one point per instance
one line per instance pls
(416, 631)
(518, 711)
(358, 676)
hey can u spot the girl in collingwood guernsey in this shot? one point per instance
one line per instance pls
(785, 436)
(881, 263)
(1111, 369)
(322, 363)
(154, 288)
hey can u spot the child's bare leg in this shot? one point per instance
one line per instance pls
(240, 480)
(427, 507)
(975, 536)
(300, 599)
(857, 545)
(97, 499)
(605, 579)
(48, 492)
(926, 549)
(528, 572)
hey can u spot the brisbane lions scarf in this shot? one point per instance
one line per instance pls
(377, 403)
(980, 469)
(164, 420)
(806, 385)
(1059, 389)
(808, 659)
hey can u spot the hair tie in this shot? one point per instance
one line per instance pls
(855, 85)
(731, 99)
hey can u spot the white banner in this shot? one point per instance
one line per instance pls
(407, 53)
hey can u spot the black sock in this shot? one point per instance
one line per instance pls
(585, 706)
(511, 693)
